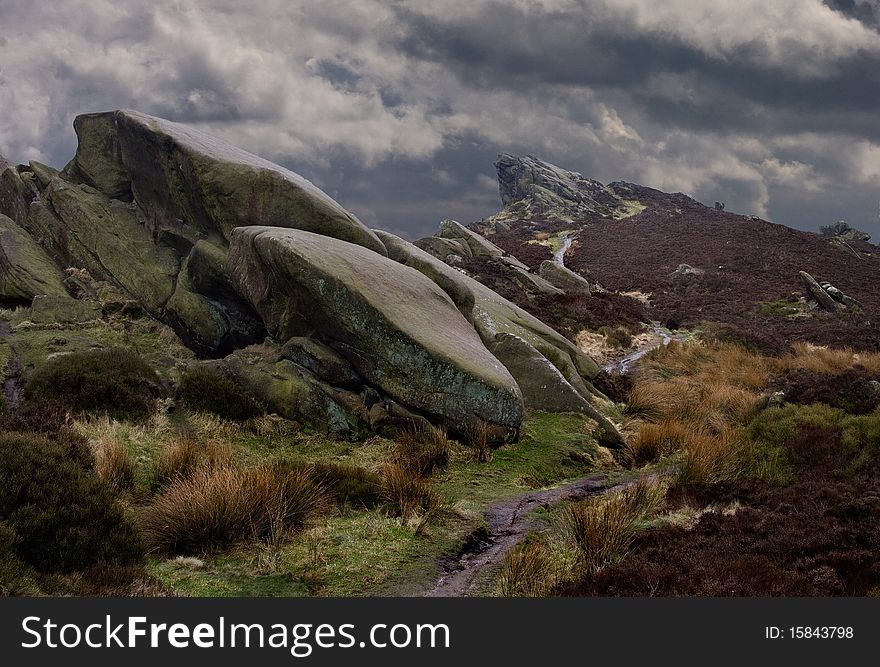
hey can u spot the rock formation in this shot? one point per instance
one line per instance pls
(276, 285)
(532, 188)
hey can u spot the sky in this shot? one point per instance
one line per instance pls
(398, 108)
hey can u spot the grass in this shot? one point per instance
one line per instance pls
(211, 510)
(528, 570)
(183, 455)
(113, 464)
(603, 529)
(422, 450)
(370, 549)
(409, 496)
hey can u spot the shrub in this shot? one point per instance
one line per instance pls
(115, 381)
(407, 494)
(65, 518)
(603, 529)
(204, 389)
(616, 336)
(849, 390)
(51, 420)
(422, 450)
(615, 386)
(212, 510)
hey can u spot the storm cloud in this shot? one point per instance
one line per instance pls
(397, 109)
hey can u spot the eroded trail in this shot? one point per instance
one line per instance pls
(507, 523)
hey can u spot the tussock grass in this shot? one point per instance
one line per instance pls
(422, 450)
(649, 400)
(654, 441)
(480, 440)
(347, 484)
(603, 529)
(113, 464)
(528, 570)
(409, 496)
(212, 510)
(183, 455)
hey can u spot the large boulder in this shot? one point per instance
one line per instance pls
(564, 278)
(149, 205)
(205, 309)
(323, 361)
(25, 269)
(478, 245)
(814, 289)
(492, 314)
(108, 237)
(191, 185)
(398, 329)
(291, 391)
(17, 191)
(544, 387)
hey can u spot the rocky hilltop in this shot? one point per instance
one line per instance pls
(271, 282)
(667, 258)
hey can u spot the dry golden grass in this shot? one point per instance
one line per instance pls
(603, 529)
(214, 509)
(527, 571)
(113, 463)
(408, 495)
(422, 450)
(480, 440)
(649, 399)
(696, 400)
(711, 458)
(654, 441)
(183, 455)
(826, 360)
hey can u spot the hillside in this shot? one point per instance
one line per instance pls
(694, 264)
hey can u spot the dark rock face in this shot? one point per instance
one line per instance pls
(25, 268)
(550, 191)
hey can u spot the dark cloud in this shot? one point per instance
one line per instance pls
(398, 109)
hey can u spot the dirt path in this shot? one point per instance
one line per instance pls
(508, 522)
(662, 339)
(11, 374)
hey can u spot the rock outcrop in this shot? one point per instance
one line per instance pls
(564, 278)
(497, 319)
(149, 205)
(306, 284)
(531, 187)
(273, 283)
(826, 295)
(25, 268)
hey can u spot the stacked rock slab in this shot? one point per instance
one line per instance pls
(396, 327)
(145, 201)
(552, 373)
(228, 248)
